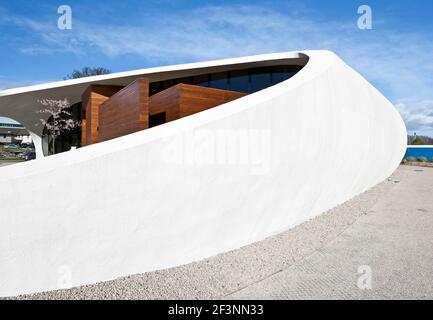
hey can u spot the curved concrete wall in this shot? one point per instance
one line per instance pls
(199, 186)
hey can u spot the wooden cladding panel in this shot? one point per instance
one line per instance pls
(83, 132)
(125, 112)
(114, 111)
(166, 101)
(183, 100)
(92, 98)
(194, 99)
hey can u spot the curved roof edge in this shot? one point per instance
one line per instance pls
(295, 55)
(318, 62)
(21, 104)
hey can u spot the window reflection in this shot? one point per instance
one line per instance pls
(260, 79)
(219, 81)
(202, 80)
(279, 74)
(240, 81)
(248, 80)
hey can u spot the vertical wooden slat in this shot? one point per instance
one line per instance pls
(92, 98)
(127, 111)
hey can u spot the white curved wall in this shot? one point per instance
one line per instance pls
(158, 198)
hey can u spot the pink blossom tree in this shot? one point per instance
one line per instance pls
(59, 117)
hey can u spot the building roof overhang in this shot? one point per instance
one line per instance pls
(21, 104)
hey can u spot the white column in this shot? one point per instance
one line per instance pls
(37, 141)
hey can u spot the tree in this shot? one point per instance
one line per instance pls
(59, 118)
(87, 72)
(418, 141)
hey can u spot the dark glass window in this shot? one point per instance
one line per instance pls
(157, 119)
(202, 80)
(260, 79)
(279, 74)
(240, 81)
(154, 87)
(248, 81)
(219, 81)
(167, 84)
(186, 80)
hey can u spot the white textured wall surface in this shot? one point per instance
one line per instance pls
(182, 192)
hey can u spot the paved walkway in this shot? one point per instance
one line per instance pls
(392, 243)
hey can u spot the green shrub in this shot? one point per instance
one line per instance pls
(418, 141)
(410, 159)
(404, 161)
(431, 160)
(422, 159)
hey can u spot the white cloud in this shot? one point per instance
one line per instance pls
(418, 116)
(398, 62)
(396, 59)
(208, 32)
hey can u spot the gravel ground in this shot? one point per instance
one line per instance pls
(224, 274)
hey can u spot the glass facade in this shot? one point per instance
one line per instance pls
(260, 79)
(240, 81)
(219, 81)
(247, 80)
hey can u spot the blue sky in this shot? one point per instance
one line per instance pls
(396, 55)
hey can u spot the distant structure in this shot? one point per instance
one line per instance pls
(14, 133)
(419, 140)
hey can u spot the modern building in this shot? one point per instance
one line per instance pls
(14, 133)
(154, 97)
(176, 164)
